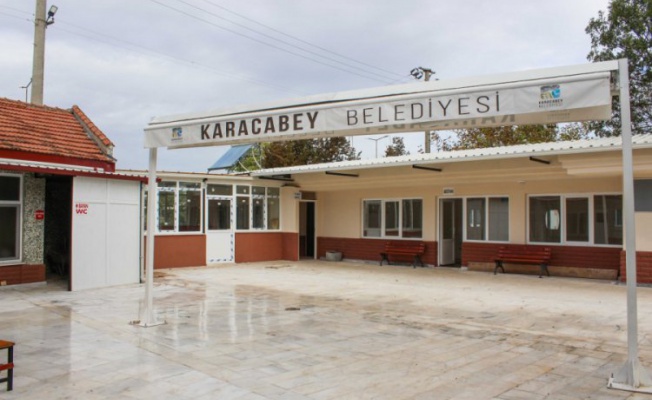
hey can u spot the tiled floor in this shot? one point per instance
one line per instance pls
(318, 330)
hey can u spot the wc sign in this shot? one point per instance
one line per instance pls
(81, 208)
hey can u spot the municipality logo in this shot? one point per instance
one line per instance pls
(177, 134)
(550, 97)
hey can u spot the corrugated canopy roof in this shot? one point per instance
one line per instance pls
(540, 149)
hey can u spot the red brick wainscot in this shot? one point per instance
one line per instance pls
(266, 246)
(23, 273)
(570, 261)
(176, 251)
(368, 249)
(643, 267)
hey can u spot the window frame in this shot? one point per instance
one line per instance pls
(589, 196)
(383, 218)
(19, 206)
(486, 220)
(204, 194)
(176, 190)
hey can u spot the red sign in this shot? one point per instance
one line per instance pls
(81, 208)
(39, 215)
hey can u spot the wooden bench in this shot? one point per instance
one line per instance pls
(532, 255)
(9, 366)
(406, 248)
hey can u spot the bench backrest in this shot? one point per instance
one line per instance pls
(407, 246)
(534, 253)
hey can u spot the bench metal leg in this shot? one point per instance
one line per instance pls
(544, 268)
(384, 258)
(9, 367)
(499, 264)
(417, 258)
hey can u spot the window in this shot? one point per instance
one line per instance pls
(544, 219)
(181, 207)
(392, 218)
(372, 218)
(167, 206)
(242, 213)
(189, 207)
(258, 207)
(273, 208)
(219, 190)
(412, 218)
(220, 200)
(608, 226)
(219, 214)
(487, 218)
(499, 219)
(585, 219)
(10, 212)
(475, 226)
(577, 219)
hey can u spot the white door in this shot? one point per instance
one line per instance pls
(219, 229)
(105, 233)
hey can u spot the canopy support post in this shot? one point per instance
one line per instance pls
(631, 376)
(148, 318)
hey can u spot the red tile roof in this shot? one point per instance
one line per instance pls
(34, 132)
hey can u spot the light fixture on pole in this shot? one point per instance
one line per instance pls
(421, 72)
(26, 87)
(425, 73)
(50, 19)
(376, 140)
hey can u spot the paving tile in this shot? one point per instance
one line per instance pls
(361, 332)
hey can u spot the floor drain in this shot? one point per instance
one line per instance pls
(292, 309)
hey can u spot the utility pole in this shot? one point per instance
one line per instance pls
(41, 22)
(424, 73)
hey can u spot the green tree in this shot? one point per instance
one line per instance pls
(494, 137)
(626, 31)
(297, 152)
(397, 148)
(575, 131)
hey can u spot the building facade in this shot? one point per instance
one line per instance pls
(61, 201)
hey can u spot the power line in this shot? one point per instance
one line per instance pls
(107, 39)
(169, 57)
(16, 9)
(263, 42)
(16, 16)
(386, 72)
(394, 74)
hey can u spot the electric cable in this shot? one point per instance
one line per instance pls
(365, 70)
(394, 74)
(263, 42)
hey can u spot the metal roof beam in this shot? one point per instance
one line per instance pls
(342, 174)
(284, 178)
(540, 160)
(427, 168)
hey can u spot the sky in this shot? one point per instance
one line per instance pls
(126, 61)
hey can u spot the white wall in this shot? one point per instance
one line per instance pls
(105, 233)
(340, 212)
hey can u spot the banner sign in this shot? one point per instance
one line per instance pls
(544, 101)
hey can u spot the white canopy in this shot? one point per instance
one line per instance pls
(563, 94)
